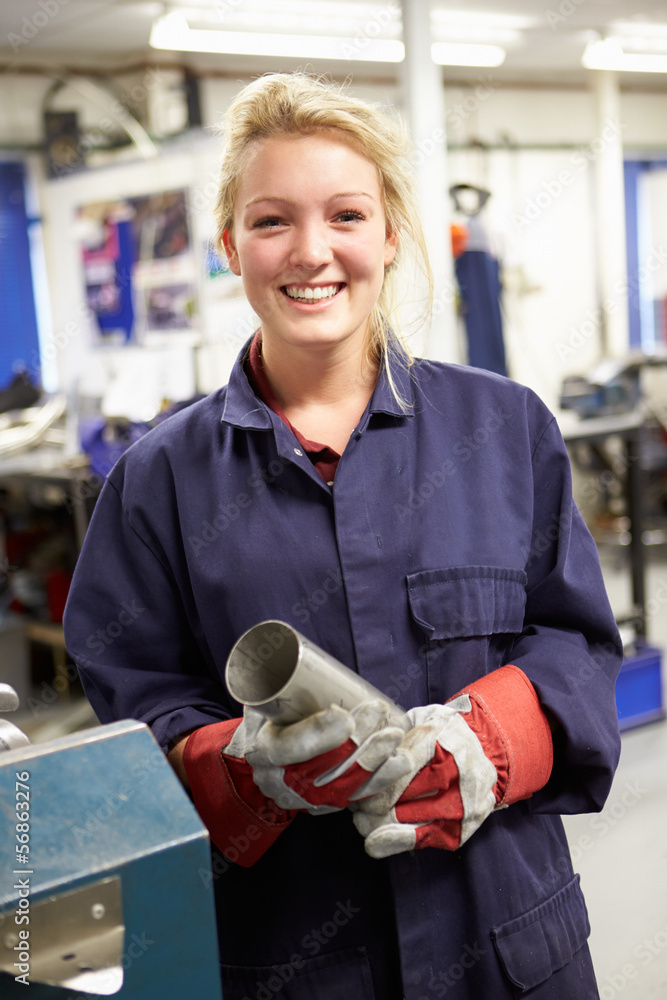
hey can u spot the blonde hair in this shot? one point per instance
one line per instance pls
(297, 104)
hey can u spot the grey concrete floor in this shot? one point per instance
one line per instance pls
(621, 853)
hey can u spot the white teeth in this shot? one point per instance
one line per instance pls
(309, 294)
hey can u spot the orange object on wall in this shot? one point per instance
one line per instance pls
(459, 239)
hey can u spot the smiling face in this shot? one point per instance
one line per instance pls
(310, 240)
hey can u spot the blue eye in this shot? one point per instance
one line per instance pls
(268, 223)
(350, 216)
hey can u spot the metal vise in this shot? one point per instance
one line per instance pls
(105, 873)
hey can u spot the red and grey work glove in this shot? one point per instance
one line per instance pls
(321, 763)
(488, 747)
(249, 777)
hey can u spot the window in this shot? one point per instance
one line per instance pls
(646, 223)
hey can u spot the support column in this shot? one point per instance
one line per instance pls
(610, 216)
(424, 107)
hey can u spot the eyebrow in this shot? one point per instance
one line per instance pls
(289, 201)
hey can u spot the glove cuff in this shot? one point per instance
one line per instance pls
(514, 732)
(242, 822)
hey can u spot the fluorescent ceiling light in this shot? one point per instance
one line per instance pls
(460, 54)
(484, 22)
(173, 32)
(608, 54)
(642, 46)
(645, 29)
(471, 28)
(476, 34)
(225, 9)
(314, 17)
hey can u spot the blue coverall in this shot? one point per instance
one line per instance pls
(448, 546)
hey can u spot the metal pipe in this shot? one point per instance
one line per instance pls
(286, 677)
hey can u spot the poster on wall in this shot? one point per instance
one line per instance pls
(139, 267)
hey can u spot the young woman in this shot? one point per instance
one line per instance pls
(415, 520)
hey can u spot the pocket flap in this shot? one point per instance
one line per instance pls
(538, 943)
(468, 600)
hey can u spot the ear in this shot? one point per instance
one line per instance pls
(230, 253)
(390, 244)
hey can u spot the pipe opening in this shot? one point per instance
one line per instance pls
(262, 662)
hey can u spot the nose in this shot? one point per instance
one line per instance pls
(310, 248)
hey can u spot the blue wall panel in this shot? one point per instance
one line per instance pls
(19, 343)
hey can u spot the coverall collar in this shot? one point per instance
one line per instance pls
(242, 408)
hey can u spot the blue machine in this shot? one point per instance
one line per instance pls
(105, 874)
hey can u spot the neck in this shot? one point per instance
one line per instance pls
(303, 377)
(322, 393)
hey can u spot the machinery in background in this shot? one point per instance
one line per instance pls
(614, 389)
(611, 387)
(620, 446)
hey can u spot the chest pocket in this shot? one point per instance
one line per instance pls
(469, 616)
